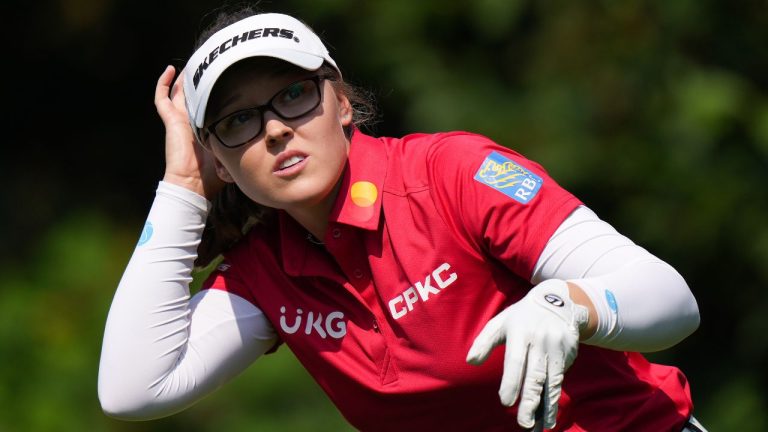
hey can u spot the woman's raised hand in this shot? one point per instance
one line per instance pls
(187, 164)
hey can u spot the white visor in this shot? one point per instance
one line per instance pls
(271, 35)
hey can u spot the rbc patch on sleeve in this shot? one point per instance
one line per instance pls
(509, 178)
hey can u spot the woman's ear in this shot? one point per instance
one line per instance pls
(222, 172)
(345, 110)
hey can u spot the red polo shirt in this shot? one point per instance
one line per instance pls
(430, 237)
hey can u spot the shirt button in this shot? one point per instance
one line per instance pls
(336, 233)
(357, 273)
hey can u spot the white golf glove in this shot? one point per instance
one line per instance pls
(542, 335)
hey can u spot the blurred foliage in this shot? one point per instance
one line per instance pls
(52, 314)
(654, 113)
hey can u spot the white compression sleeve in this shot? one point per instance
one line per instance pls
(161, 351)
(642, 303)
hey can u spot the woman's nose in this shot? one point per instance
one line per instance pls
(276, 129)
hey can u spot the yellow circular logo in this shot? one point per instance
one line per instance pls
(364, 193)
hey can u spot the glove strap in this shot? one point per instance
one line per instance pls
(580, 316)
(553, 295)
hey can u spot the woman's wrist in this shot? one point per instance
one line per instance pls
(191, 183)
(185, 195)
(579, 297)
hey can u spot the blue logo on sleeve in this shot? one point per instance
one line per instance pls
(611, 299)
(146, 233)
(509, 178)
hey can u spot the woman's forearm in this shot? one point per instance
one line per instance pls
(637, 301)
(162, 352)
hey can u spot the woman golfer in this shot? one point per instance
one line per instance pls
(391, 267)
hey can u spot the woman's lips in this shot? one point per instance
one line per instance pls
(289, 164)
(293, 160)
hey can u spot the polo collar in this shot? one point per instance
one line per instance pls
(359, 200)
(358, 204)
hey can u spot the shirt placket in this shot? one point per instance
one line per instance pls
(346, 245)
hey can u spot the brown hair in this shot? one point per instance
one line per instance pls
(232, 213)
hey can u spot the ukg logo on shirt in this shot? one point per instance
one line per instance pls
(333, 325)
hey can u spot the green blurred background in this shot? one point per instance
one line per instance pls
(654, 113)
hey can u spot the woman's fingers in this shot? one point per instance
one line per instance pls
(516, 358)
(177, 94)
(492, 335)
(555, 377)
(186, 163)
(169, 99)
(163, 87)
(534, 380)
